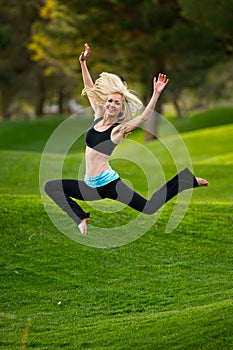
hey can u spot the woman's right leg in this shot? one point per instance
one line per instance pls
(62, 192)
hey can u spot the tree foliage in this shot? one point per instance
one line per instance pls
(40, 42)
(16, 18)
(52, 48)
(213, 16)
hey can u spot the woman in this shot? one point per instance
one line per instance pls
(113, 105)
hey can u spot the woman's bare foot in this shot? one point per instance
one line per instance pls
(83, 226)
(202, 182)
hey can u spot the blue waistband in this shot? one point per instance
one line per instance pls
(101, 179)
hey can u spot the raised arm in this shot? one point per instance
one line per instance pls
(87, 79)
(158, 86)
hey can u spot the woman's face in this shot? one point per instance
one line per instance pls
(114, 104)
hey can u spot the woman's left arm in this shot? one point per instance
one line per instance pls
(158, 86)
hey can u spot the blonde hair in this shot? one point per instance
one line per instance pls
(109, 83)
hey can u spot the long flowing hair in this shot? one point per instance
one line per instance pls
(109, 83)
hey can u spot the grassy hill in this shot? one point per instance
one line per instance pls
(165, 290)
(208, 118)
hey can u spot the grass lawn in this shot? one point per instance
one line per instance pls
(165, 290)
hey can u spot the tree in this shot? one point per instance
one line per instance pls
(194, 52)
(16, 18)
(214, 16)
(127, 37)
(140, 39)
(52, 49)
(135, 39)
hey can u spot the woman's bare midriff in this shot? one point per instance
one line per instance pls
(96, 162)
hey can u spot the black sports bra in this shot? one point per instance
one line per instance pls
(100, 140)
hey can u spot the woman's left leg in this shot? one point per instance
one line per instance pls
(119, 191)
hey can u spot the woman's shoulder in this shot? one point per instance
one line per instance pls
(97, 120)
(119, 128)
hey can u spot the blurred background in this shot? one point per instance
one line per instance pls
(189, 40)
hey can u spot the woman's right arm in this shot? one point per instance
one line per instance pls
(87, 79)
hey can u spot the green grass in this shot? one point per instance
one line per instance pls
(206, 119)
(163, 291)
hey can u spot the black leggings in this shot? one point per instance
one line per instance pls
(62, 192)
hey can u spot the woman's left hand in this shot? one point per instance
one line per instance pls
(160, 83)
(85, 54)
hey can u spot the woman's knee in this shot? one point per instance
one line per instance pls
(51, 186)
(148, 210)
(47, 187)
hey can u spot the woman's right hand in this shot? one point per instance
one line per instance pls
(85, 53)
(160, 83)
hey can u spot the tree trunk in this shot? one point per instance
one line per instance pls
(152, 125)
(6, 96)
(61, 99)
(42, 95)
(178, 109)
